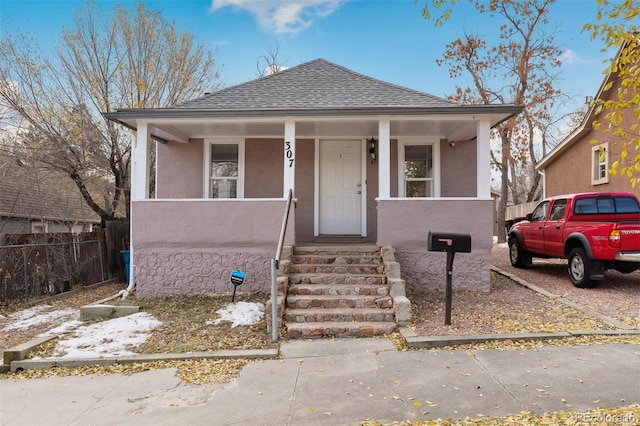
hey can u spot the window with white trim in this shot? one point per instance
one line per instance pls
(600, 164)
(418, 170)
(224, 169)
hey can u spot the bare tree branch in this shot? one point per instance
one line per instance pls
(129, 59)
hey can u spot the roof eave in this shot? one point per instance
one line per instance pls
(563, 146)
(61, 219)
(584, 126)
(142, 114)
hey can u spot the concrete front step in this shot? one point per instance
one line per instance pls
(319, 278)
(337, 259)
(339, 289)
(331, 302)
(334, 268)
(338, 329)
(339, 315)
(343, 249)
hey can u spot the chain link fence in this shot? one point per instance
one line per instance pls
(47, 264)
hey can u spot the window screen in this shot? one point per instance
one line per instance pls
(418, 170)
(224, 171)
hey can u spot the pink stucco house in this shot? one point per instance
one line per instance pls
(367, 161)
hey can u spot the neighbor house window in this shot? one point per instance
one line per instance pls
(418, 170)
(39, 227)
(600, 161)
(224, 170)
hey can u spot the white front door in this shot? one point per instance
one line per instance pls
(340, 188)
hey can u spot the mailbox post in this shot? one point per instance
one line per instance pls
(450, 243)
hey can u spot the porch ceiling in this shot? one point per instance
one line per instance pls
(182, 131)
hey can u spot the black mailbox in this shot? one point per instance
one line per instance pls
(446, 241)
(451, 243)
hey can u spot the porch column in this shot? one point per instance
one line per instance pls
(140, 168)
(483, 158)
(140, 164)
(289, 179)
(384, 159)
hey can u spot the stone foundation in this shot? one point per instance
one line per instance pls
(166, 271)
(427, 270)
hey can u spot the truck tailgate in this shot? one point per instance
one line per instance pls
(630, 235)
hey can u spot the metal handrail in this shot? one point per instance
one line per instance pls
(275, 264)
(283, 230)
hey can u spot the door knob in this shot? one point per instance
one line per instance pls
(359, 192)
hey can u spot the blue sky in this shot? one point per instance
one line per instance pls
(385, 39)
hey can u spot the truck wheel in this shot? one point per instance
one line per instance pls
(516, 254)
(579, 269)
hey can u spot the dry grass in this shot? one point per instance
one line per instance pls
(187, 325)
(188, 319)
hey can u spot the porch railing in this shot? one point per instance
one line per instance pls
(275, 264)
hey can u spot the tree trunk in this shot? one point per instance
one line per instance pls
(504, 172)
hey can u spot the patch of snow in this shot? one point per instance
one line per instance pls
(28, 313)
(68, 326)
(34, 316)
(240, 313)
(108, 338)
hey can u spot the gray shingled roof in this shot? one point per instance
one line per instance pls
(315, 88)
(317, 84)
(31, 190)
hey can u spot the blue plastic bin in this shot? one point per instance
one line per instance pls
(125, 257)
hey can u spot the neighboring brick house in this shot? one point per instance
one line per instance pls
(36, 199)
(366, 160)
(578, 165)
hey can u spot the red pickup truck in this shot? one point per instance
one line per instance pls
(594, 231)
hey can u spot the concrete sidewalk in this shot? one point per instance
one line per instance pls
(341, 382)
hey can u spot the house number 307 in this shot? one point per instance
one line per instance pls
(288, 152)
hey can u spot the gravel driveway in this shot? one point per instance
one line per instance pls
(617, 296)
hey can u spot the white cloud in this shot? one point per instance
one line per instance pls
(569, 57)
(282, 16)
